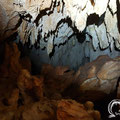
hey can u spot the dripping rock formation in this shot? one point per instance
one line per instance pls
(63, 29)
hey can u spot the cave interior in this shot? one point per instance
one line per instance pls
(59, 60)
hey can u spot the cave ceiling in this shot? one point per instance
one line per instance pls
(52, 22)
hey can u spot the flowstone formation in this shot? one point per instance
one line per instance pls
(46, 23)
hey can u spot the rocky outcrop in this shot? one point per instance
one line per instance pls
(9, 71)
(50, 23)
(49, 95)
(30, 87)
(56, 80)
(96, 79)
(42, 110)
(9, 19)
(101, 74)
(28, 97)
(71, 110)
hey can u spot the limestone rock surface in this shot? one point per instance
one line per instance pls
(96, 79)
(56, 79)
(71, 110)
(100, 74)
(52, 22)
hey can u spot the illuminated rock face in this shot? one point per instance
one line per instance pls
(99, 75)
(50, 23)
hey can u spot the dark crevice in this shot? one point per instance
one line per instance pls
(102, 105)
(81, 37)
(44, 12)
(110, 10)
(118, 15)
(27, 17)
(95, 19)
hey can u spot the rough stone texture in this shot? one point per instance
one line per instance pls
(27, 97)
(11, 59)
(9, 71)
(96, 79)
(10, 19)
(56, 80)
(50, 25)
(71, 110)
(99, 75)
(26, 63)
(30, 87)
(72, 54)
(49, 20)
(42, 110)
(81, 18)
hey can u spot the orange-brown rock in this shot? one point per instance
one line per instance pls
(57, 79)
(11, 63)
(90, 109)
(7, 115)
(30, 86)
(10, 112)
(42, 110)
(22, 93)
(10, 70)
(71, 110)
(13, 99)
(26, 63)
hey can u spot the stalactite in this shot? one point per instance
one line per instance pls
(46, 18)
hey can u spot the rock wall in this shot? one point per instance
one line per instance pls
(54, 25)
(72, 53)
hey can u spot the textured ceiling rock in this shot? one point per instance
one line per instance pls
(32, 7)
(9, 19)
(52, 22)
(102, 36)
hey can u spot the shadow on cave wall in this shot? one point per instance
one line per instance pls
(118, 14)
(95, 19)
